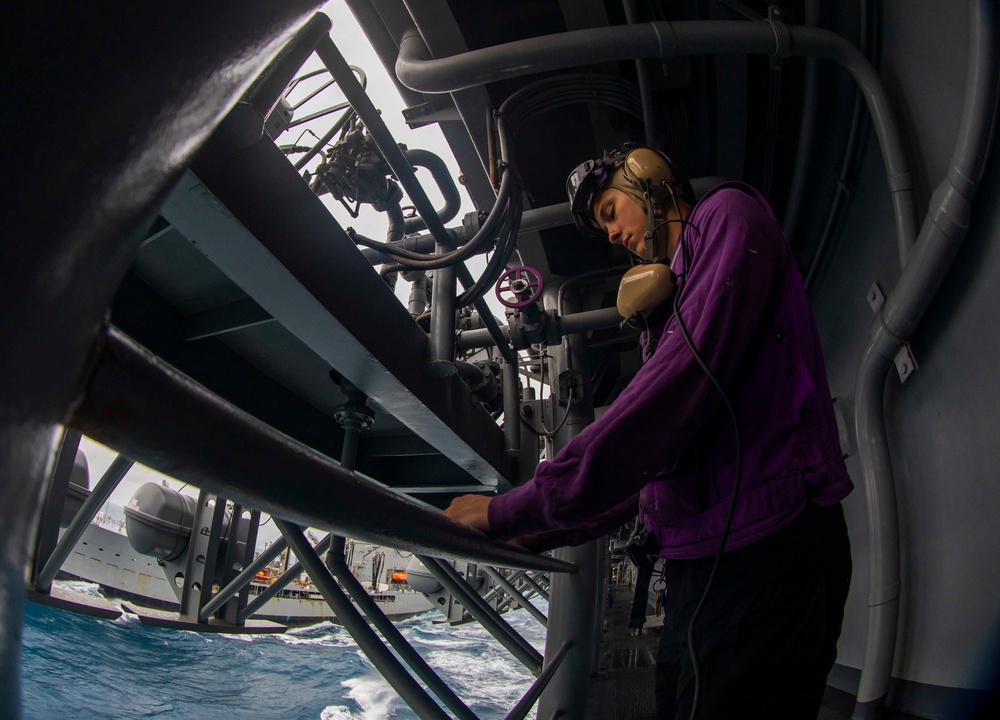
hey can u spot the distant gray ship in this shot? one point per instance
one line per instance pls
(105, 557)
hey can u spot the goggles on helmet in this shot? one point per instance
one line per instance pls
(587, 180)
(582, 186)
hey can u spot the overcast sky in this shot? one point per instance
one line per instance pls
(354, 46)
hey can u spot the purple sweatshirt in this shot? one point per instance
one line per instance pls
(666, 446)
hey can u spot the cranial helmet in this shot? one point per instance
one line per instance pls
(632, 171)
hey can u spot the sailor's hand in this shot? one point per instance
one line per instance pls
(470, 510)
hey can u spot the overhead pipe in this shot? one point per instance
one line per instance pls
(139, 404)
(853, 149)
(493, 328)
(941, 235)
(441, 347)
(807, 131)
(642, 80)
(416, 70)
(511, 409)
(581, 322)
(532, 220)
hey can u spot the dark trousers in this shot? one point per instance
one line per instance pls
(766, 637)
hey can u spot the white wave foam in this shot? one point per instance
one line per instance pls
(336, 712)
(315, 629)
(374, 695)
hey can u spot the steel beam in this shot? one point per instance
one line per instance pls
(221, 320)
(47, 537)
(318, 286)
(395, 638)
(575, 605)
(348, 616)
(203, 550)
(102, 491)
(488, 617)
(515, 595)
(282, 582)
(523, 705)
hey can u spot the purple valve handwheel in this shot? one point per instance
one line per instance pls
(524, 282)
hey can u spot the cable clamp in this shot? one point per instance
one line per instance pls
(782, 38)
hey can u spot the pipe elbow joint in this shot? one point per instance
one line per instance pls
(412, 52)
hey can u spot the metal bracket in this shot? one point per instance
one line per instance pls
(782, 38)
(876, 298)
(427, 113)
(905, 362)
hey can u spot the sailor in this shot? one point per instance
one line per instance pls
(725, 443)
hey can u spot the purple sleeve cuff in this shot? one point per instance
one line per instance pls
(516, 513)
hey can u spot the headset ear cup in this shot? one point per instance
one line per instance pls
(643, 164)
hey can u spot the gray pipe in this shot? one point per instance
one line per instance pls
(445, 183)
(416, 70)
(807, 126)
(568, 324)
(511, 409)
(534, 220)
(642, 79)
(443, 308)
(942, 233)
(546, 217)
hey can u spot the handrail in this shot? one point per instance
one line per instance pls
(153, 413)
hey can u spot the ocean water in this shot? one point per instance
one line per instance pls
(75, 666)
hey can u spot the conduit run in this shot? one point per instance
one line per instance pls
(943, 231)
(417, 71)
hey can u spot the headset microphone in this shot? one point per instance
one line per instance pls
(645, 286)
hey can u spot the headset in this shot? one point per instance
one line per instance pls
(647, 176)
